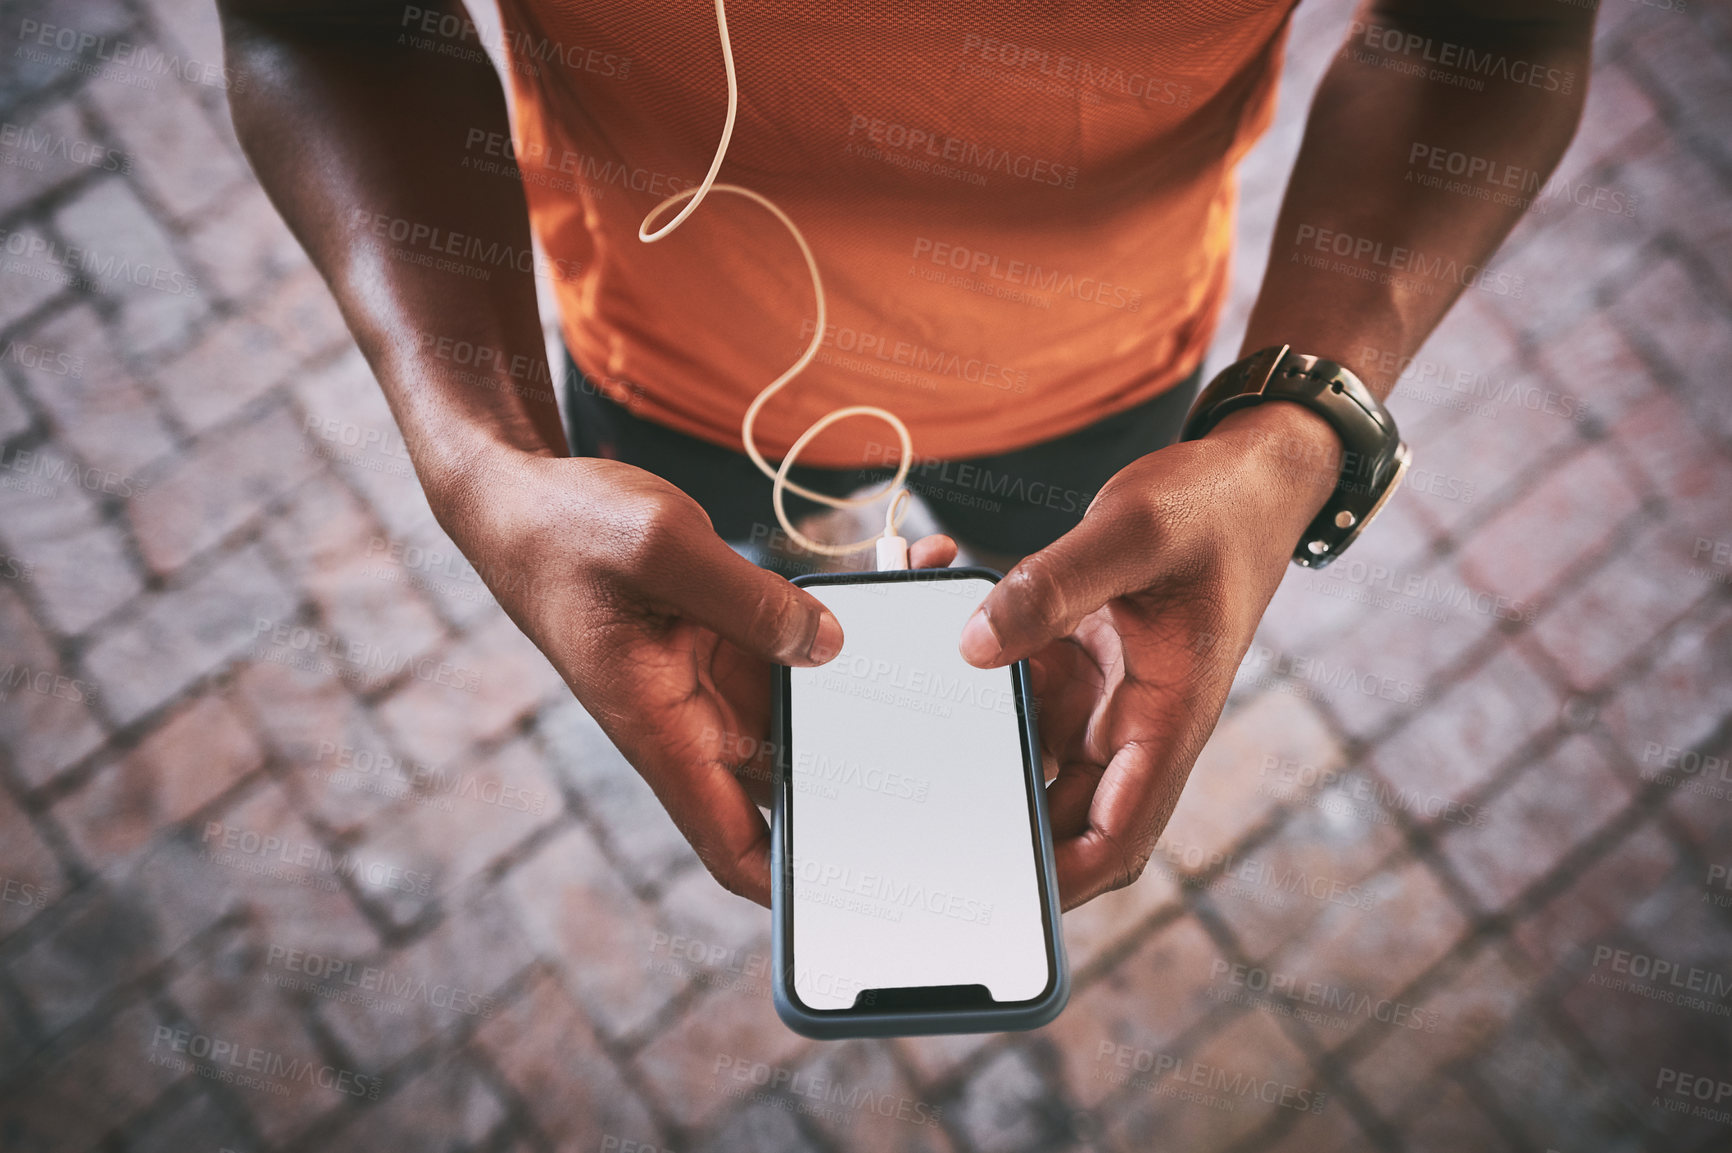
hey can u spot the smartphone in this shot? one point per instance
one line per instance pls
(912, 878)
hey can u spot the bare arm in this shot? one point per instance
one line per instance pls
(1138, 618)
(1401, 98)
(349, 129)
(662, 631)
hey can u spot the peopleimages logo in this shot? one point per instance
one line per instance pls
(1460, 64)
(33, 34)
(33, 147)
(1220, 1087)
(971, 154)
(84, 265)
(224, 1060)
(822, 1090)
(973, 263)
(1395, 259)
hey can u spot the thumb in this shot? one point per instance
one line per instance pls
(756, 610)
(1111, 552)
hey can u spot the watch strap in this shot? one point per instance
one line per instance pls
(1374, 457)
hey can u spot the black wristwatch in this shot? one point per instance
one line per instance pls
(1375, 456)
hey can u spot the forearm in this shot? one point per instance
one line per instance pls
(1367, 258)
(352, 133)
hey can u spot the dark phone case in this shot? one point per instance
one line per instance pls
(835, 1024)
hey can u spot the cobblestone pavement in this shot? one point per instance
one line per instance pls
(1452, 875)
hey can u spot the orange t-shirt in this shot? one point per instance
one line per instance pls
(1022, 217)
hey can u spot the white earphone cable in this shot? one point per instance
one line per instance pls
(778, 474)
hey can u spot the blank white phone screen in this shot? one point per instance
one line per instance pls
(912, 848)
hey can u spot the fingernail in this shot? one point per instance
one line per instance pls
(828, 642)
(979, 643)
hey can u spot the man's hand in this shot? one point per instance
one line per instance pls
(663, 632)
(1136, 620)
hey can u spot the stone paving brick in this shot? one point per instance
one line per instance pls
(92, 1091)
(224, 999)
(195, 1122)
(1409, 928)
(1672, 182)
(714, 1056)
(503, 678)
(550, 1056)
(192, 27)
(93, 942)
(1578, 248)
(198, 753)
(858, 1097)
(935, 1057)
(1595, 366)
(1397, 1073)
(35, 62)
(451, 977)
(1193, 1106)
(1693, 77)
(352, 427)
(30, 877)
(1569, 926)
(47, 723)
(341, 770)
(180, 158)
(49, 146)
(1437, 387)
(1094, 929)
(1618, 115)
(50, 519)
(762, 1129)
(1388, 666)
(1321, 857)
(1529, 826)
(1679, 702)
(1600, 624)
(1333, 1129)
(1224, 797)
(1453, 1121)
(128, 256)
(1537, 1081)
(1665, 309)
(1579, 504)
(97, 407)
(226, 481)
(1671, 452)
(613, 795)
(1666, 1025)
(14, 416)
(1006, 1107)
(243, 244)
(323, 534)
(583, 919)
(286, 888)
(461, 817)
(1455, 746)
(1701, 802)
(694, 904)
(302, 311)
(28, 282)
(429, 562)
(448, 1106)
(231, 366)
(1146, 1002)
(183, 633)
